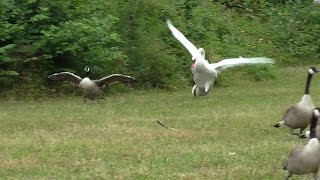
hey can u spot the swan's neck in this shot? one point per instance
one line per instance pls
(200, 65)
(307, 89)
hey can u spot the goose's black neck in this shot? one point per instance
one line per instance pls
(307, 90)
(87, 74)
(313, 126)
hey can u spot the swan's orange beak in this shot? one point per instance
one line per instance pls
(193, 63)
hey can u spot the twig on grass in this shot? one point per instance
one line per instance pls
(165, 126)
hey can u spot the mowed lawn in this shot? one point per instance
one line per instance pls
(226, 135)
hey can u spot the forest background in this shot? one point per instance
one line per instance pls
(40, 37)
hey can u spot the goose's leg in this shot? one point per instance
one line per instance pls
(289, 175)
(315, 176)
(293, 133)
(99, 96)
(301, 130)
(301, 134)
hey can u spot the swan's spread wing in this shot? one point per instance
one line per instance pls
(228, 63)
(114, 78)
(182, 39)
(65, 76)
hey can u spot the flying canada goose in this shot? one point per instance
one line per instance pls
(92, 89)
(204, 73)
(298, 115)
(306, 159)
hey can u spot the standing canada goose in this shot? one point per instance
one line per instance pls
(298, 115)
(92, 89)
(306, 159)
(204, 73)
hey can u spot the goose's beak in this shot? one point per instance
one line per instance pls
(313, 70)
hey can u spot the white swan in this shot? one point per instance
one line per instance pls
(204, 73)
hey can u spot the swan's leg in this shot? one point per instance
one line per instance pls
(194, 90)
(207, 88)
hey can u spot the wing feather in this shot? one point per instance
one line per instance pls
(65, 76)
(182, 39)
(228, 63)
(114, 78)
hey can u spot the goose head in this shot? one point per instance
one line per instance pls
(316, 112)
(87, 71)
(313, 70)
(200, 55)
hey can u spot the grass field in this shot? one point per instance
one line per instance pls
(227, 135)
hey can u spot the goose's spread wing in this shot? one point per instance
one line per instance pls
(228, 63)
(182, 39)
(65, 76)
(114, 78)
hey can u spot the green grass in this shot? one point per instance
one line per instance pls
(227, 135)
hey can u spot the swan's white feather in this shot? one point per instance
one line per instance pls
(228, 63)
(183, 40)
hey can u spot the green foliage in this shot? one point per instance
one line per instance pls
(147, 55)
(294, 31)
(131, 37)
(86, 40)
